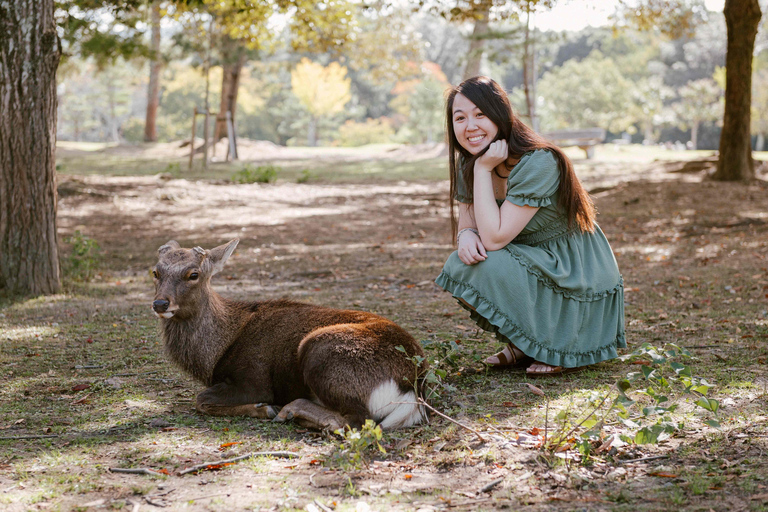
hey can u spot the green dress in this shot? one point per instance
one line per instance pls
(555, 293)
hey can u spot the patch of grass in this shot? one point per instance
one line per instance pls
(260, 174)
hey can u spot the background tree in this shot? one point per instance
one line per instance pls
(590, 93)
(699, 102)
(760, 107)
(155, 67)
(322, 90)
(29, 57)
(735, 163)
(742, 18)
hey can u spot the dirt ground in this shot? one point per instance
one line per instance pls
(694, 258)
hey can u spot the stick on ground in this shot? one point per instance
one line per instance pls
(204, 465)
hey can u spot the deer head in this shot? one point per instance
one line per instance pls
(182, 277)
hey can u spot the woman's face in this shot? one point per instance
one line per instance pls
(474, 131)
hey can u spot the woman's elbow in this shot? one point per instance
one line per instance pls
(495, 245)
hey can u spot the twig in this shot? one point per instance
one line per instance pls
(321, 506)
(490, 485)
(209, 496)
(198, 467)
(643, 459)
(134, 374)
(135, 471)
(425, 404)
(466, 503)
(88, 366)
(81, 399)
(29, 437)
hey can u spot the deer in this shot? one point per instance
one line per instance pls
(324, 368)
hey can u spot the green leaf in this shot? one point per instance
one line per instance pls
(623, 385)
(713, 423)
(400, 348)
(681, 369)
(647, 436)
(709, 404)
(647, 371)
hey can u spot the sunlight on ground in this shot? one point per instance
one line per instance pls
(29, 332)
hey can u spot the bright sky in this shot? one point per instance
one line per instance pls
(578, 14)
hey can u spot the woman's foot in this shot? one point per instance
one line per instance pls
(509, 356)
(538, 369)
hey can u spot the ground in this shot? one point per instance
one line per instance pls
(86, 386)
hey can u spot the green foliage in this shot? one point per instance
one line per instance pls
(304, 176)
(260, 174)
(584, 94)
(83, 260)
(372, 131)
(356, 447)
(666, 381)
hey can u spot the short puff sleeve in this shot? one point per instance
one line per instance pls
(534, 180)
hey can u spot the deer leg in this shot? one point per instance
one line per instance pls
(223, 399)
(311, 415)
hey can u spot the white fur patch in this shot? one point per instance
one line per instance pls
(393, 409)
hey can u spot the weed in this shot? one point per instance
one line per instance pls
(84, 258)
(355, 447)
(260, 174)
(304, 176)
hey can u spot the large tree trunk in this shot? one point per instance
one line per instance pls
(29, 57)
(155, 67)
(234, 60)
(477, 40)
(735, 163)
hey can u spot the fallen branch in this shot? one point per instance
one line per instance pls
(135, 471)
(205, 465)
(425, 404)
(490, 485)
(5, 438)
(643, 459)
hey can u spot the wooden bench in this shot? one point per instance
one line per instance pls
(585, 139)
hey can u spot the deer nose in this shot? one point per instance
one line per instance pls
(161, 305)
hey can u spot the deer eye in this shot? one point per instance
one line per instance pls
(155, 274)
(193, 276)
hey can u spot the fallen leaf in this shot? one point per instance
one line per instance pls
(227, 445)
(80, 387)
(663, 475)
(407, 476)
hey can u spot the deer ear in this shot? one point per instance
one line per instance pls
(172, 244)
(218, 256)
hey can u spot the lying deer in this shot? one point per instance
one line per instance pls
(326, 367)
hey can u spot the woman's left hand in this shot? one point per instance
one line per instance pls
(496, 154)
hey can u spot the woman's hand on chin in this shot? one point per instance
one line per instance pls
(497, 153)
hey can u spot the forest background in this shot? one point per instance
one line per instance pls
(383, 79)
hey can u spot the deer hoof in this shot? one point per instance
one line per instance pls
(282, 418)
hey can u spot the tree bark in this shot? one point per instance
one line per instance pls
(477, 41)
(29, 56)
(155, 67)
(234, 60)
(741, 18)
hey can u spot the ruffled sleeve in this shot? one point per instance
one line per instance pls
(534, 180)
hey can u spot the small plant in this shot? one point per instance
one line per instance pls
(260, 174)
(355, 448)
(666, 381)
(84, 258)
(305, 176)
(173, 168)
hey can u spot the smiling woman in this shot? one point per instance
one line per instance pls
(532, 265)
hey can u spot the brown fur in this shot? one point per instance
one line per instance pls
(322, 364)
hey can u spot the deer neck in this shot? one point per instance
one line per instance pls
(198, 343)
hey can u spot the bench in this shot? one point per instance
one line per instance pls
(585, 139)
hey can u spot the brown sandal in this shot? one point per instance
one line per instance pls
(548, 370)
(509, 356)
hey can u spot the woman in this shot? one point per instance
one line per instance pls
(531, 266)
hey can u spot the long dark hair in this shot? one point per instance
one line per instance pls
(493, 102)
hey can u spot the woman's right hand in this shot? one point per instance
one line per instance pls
(471, 249)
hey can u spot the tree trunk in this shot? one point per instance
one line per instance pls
(29, 57)
(234, 60)
(312, 132)
(695, 135)
(741, 18)
(477, 41)
(155, 67)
